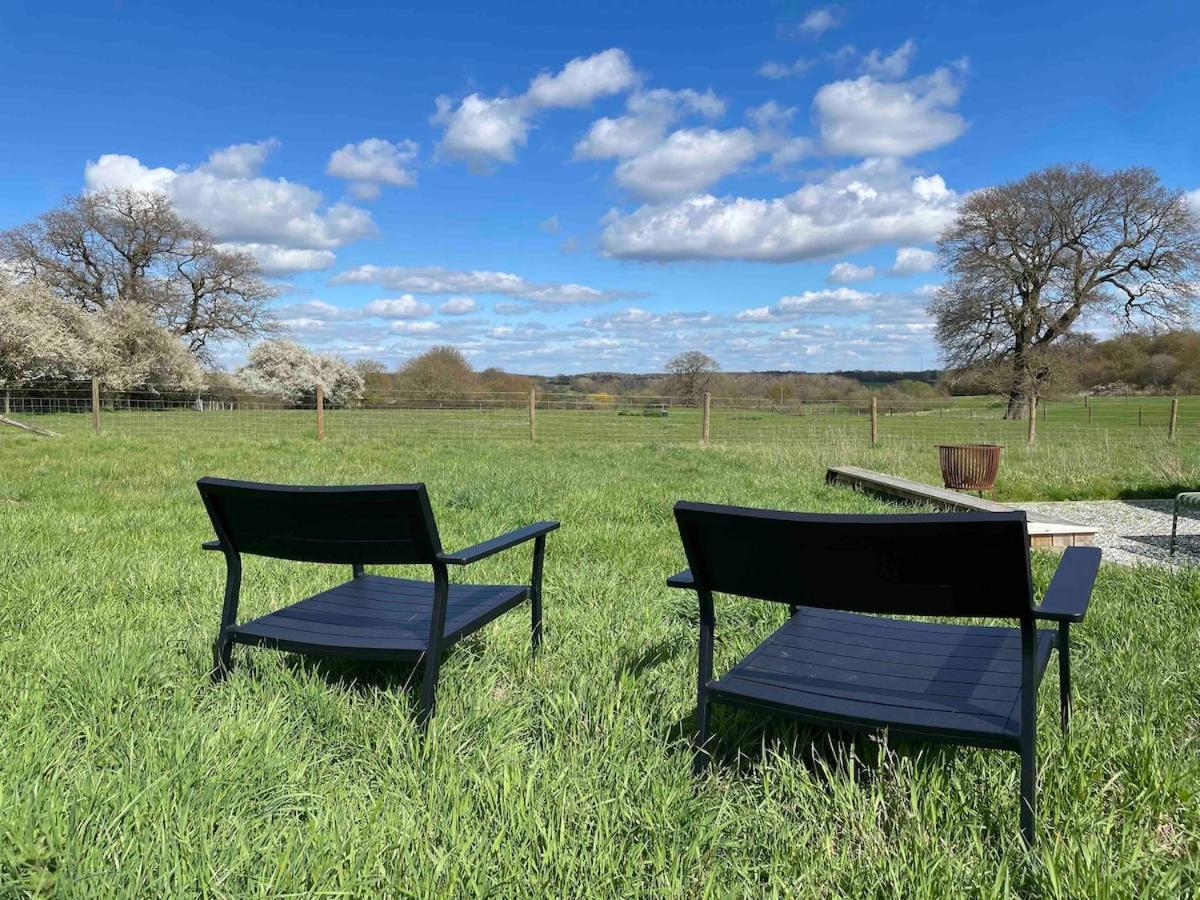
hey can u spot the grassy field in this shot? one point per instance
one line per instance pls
(124, 772)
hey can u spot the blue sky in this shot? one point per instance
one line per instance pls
(564, 187)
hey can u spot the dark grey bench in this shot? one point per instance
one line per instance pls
(369, 616)
(837, 662)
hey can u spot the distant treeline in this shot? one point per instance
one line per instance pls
(1133, 363)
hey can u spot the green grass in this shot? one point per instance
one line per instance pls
(123, 771)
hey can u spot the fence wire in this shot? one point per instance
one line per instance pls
(73, 410)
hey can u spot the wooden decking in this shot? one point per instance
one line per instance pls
(1044, 532)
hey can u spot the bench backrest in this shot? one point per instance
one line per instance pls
(943, 564)
(368, 524)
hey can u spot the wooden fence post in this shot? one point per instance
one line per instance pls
(95, 404)
(1174, 418)
(1031, 437)
(874, 421)
(706, 422)
(7, 402)
(532, 414)
(320, 413)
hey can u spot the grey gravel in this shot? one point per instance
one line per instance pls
(1130, 532)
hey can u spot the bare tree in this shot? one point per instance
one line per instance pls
(130, 247)
(1028, 259)
(690, 374)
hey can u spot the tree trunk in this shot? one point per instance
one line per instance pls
(1018, 389)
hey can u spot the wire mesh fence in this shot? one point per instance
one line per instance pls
(78, 409)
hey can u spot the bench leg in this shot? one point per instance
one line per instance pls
(1028, 795)
(1027, 743)
(1064, 674)
(428, 689)
(535, 594)
(222, 659)
(700, 755)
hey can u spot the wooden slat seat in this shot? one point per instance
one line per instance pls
(370, 616)
(851, 655)
(958, 682)
(374, 616)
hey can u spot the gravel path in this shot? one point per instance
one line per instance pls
(1131, 532)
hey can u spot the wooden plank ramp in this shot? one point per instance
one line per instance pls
(1045, 532)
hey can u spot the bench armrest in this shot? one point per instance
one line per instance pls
(1070, 589)
(212, 545)
(496, 544)
(682, 580)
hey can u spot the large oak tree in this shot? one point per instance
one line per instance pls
(126, 247)
(1029, 259)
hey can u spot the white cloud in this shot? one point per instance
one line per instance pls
(1193, 198)
(598, 344)
(648, 115)
(847, 271)
(275, 260)
(776, 70)
(819, 21)
(227, 196)
(240, 160)
(405, 307)
(582, 80)
(483, 131)
(894, 65)
(550, 225)
(822, 302)
(414, 327)
(911, 260)
(869, 117)
(439, 280)
(569, 245)
(458, 306)
(687, 161)
(878, 201)
(511, 309)
(373, 162)
(320, 310)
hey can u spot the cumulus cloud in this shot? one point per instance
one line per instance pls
(241, 207)
(374, 162)
(894, 64)
(319, 310)
(689, 160)
(878, 201)
(582, 80)
(824, 302)
(275, 260)
(598, 344)
(458, 306)
(439, 280)
(648, 115)
(405, 307)
(483, 131)
(240, 160)
(911, 260)
(639, 321)
(847, 271)
(414, 327)
(817, 22)
(869, 117)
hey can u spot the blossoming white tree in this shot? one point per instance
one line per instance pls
(289, 372)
